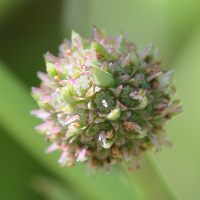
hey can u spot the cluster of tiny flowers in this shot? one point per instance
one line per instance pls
(102, 102)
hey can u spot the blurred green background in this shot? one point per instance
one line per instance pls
(29, 28)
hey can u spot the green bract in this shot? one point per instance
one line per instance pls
(102, 102)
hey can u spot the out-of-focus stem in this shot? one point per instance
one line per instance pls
(150, 180)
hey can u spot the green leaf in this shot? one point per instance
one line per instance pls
(68, 99)
(122, 46)
(50, 189)
(102, 78)
(114, 114)
(134, 59)
(100, 34)
(76, 41)
(98, 47)
(51, 70)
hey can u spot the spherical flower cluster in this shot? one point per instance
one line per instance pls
(102, 102)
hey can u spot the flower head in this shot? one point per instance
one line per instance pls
(103, 102)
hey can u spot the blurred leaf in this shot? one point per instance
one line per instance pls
(182, 18)
(8, 6)
(27, 35)
(17, 169)
(52, 190)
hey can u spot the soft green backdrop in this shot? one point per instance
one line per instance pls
(30, 28)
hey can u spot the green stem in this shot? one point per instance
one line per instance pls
(150, 180)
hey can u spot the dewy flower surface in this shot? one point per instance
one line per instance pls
(103, 102)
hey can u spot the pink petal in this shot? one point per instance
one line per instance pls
(137, 126)
(72, 119)
(40, 91)
(56, 129)
(149, 78)
(90, 92)
(97, 89)
(99, 120)
(146, 52)
(122, 130)
(64, 82)
(123, 107)
(60, 107)
(124, 78)
(161, 105)
(133, 72)
(99, 147)
(50, 57)
(111, 67)
(151, 99)
(104, 65)
(78, 98)
(132, 94)
(115, 125)
(91, 116)
(82, 152)
(82, 105)
(78, 43)
(127, 115)
(73, 138)
(51, 148)
(67, 134)
(46, 126)
(47, 98)
(134, 108)
(59, 68)
(125, 153)
(95, 34)
(94, 55)
(63, 156)
(86, 138)
(40, 113)
(101, 134)
(117, 90)
(43, 76)
(124, 62)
